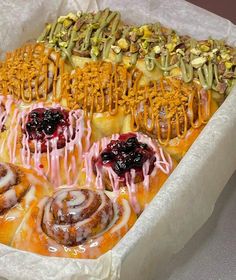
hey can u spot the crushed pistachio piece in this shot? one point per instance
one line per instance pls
(116, 49)
(67, 23)
(63, 44)
(145, 44)
(145, 31)
(228, 65)
(61, 19)
(215, 50)
(198, 62)
(134, 47)
(95, 50)
(195, 51)
(157, 49)
(175, 39)
(225, 56)
(180, 51)
(204, 48)
(170, 46)
(123, 44)
(70, 16)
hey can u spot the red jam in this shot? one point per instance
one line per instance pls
(44, 124)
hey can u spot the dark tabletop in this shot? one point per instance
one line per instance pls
(225, 8)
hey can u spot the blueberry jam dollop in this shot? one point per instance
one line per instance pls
(125, 154)
(44, 124)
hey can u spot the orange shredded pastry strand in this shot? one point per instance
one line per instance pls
(166, 108)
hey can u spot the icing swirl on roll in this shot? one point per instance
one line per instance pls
(73, 216)
(12, 186)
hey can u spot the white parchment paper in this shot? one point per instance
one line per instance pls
(188, 197)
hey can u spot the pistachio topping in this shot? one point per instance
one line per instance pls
(96, 35)
(198, 62)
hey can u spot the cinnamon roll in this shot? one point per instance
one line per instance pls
(76, 223)
(49, 138)
(20, 188)
(28, 72)
(97, 89)
(130, 163)
(116, 101)
(153, 48)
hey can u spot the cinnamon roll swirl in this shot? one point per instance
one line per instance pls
(20, 188)
(76, 223)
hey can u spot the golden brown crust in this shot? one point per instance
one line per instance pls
(38, 241)
(21, 188)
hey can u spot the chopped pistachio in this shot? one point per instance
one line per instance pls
(205, 54)
(157, 49)
(95, 50)
(145, 44)
(72, 16)
(146, 32)
(63, 44)
(225, 56)
(67, 23)
(215, 50)
(61, 19)
(116, 49)
(123, 44)
(134, 47)
(198, 62)
(195, 51)
(211, 55)
(170, 46)
(180, 51)
(133, 36)
(228, 65)
(204, 48)
(95, 40)
(175, 38)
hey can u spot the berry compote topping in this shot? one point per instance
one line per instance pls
(127, 153)
(44, 124)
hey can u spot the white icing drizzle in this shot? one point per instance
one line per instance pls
(6, 103)
(30, 196)
(125, 216)
(163, 163)
(76, 202)
(74, 136)
(10, 198)
(146, 180)
(132, 190)
(11, 191)
(12, 133)
(9, 179)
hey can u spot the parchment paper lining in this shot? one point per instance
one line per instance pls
(186, 200)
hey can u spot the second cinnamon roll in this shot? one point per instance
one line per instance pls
(76, 223)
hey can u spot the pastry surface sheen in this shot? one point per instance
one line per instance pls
(94, 117)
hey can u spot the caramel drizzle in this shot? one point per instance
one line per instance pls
(158, 108)
(29, 72)
(161, 108)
